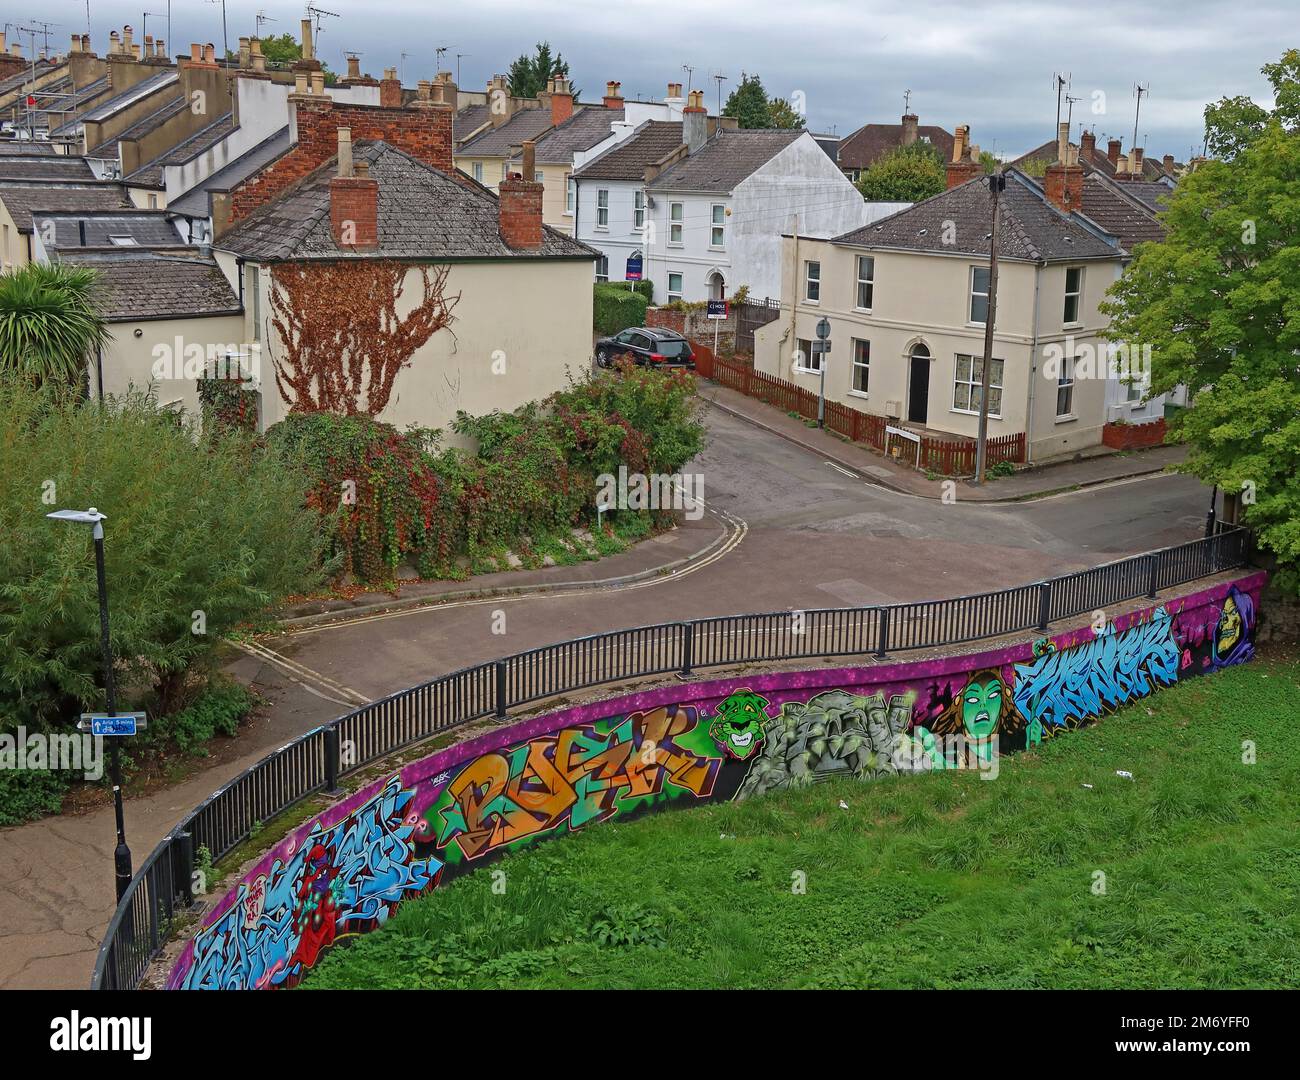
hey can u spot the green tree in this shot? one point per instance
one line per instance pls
(49, 325)
(1218, 302)
(748, 103)
(908, 174)
(529, 74)
(781, 114)
(284, 50)
(1233, 123)
(198, 540)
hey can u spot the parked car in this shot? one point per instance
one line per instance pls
(646, 345)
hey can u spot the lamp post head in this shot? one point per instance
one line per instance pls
(82, 517)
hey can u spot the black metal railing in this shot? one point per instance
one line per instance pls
(313, 763)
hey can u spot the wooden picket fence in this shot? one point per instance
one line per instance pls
(946, 457)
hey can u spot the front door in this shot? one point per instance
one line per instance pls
(918, 394)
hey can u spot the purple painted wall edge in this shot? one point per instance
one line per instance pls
(347, 869)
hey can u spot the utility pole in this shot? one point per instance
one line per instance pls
(1060, 82)
(1138, 90)
(458, 59)
(997, 184)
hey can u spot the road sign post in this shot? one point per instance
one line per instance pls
(718, 310)
(822, 349)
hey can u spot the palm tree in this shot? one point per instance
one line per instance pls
(49, 323)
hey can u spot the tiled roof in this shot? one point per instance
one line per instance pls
(424, 214)
(19, 80)
(1111, 205)
(194, 203)
(504, 141)
(21, 199)
(1029, 228)
(133, 94)
(153, 285)
(151, 174)
(44, 167)
(1153, 195)
(628, 160)
(871, 142)
(726, 159)
(468, 120)
(580, 132)
(25, 148)
(144, 228)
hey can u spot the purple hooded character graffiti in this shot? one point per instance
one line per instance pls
(1232, 641)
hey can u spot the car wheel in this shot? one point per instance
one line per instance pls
(602, 358)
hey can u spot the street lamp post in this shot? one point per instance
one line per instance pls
(122, 853)
(997, 184)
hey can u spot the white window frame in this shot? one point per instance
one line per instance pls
(570, 194)
(869, 282)
(254, 299)
(811, 363)
(676, 294)
(602, 268)
(1065, 384)
(812, 282)
(860, 360)
(676, 223)
(972, 382)
(602, 209)
(477, 167)
(718, 227)
(973, 293)
(1076, 295)
(638, 210)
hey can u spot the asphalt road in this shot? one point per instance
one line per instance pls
(812, 536)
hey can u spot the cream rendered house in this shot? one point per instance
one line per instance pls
(907, 301)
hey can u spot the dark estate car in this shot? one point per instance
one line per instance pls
(646, 345)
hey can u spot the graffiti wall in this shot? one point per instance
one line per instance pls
(347, 870)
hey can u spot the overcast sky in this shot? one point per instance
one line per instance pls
(990, 65)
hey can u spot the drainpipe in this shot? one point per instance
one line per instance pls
(1033, 372)
(794, 291)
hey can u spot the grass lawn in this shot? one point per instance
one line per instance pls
(941, 880)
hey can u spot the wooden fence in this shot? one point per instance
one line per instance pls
(947, 457)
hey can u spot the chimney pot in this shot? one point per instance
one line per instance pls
(196, 53)
(529, 168)
(613, 98)
(345, 151)
(1063, 143)
(911, 129)
(308, 52)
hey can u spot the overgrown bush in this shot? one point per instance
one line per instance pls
(619, 305)
(200, 536)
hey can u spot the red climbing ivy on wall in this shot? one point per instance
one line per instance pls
(341, 338)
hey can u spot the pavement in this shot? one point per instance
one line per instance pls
(798, 529)
(1097, 465)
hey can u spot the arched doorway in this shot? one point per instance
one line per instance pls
(717, 286)
(918, 384)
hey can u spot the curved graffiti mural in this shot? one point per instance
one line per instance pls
(346, 871)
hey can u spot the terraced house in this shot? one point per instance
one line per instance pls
(907, 298)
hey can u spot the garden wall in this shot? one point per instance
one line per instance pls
(347, 870)
(1134, 436)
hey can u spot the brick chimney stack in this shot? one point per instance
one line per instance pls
(561, 96)
(965, 158)
(354, 200)
(911, 131)
(1063, 180)
(695, 122)
(1112, 151)
(1135, 162)
(390, 90)
(613, 97)
(1168, 164)
(1088, 146)
(354, 65)
(445, 91)
(520, 205)
(500, 104)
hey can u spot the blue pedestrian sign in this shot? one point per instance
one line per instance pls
(122, 724)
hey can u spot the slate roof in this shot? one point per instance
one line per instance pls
(424, 214)
(44, 167)
(152, 122)
(467, 121)
(20, 79)
(147, 228)
(194, 203)
(1111, 205)
(1029, 227)
(628, 159)
(1152, 195)
(504, 141)
(725, 160)
(21, 199)
(26, 148)
(580, 132)
(133, 94)
(151, 174)
(831, 145)
(871, 142)
(136, 285)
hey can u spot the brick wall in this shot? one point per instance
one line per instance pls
(521, 213)
(424, 133)
(1133, 436)
(354, 212)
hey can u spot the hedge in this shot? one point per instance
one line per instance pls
(618, 306)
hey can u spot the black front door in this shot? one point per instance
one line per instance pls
(918, 394)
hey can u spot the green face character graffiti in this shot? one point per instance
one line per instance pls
(981, 705)
(738, 726)
(1230, 627)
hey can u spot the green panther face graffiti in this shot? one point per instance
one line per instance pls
(738, 726)
(981, 705)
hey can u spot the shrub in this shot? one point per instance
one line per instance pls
(618, 306)
(199, 538)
